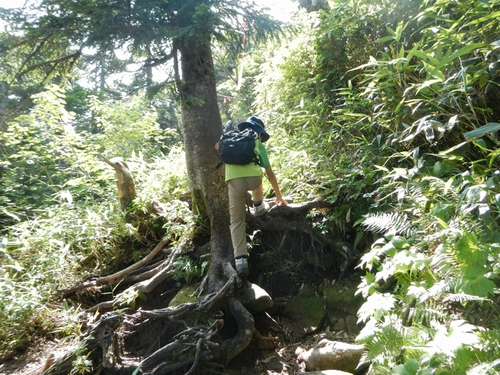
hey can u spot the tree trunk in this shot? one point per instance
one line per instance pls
(202, 128)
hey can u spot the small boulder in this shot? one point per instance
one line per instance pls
(342, 298)
(273, 363)
(352, 324)
(340, 325)
(332, 355)
(256, 299)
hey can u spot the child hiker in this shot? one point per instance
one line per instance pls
(244, 178)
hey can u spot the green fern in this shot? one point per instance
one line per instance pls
(489, 352)
(463, 298)
(422, 313)
(396, 222)
(384, 341)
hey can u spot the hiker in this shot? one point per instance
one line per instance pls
(244, 178)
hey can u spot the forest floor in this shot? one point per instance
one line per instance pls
(276, 345)
(36, 358)
(253, 361)
(278, 357)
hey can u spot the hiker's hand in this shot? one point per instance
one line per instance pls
(279, 201)
(217, 146)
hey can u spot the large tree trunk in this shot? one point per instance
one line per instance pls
(202, 128)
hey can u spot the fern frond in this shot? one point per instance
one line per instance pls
(423, 313)
(444, 286)
(387, 344)
(391, 221)
(462, 297)
(444, 262)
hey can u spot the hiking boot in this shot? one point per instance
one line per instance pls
(261, 209)
(242, 266)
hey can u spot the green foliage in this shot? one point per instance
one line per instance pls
(428, 86)
(305, 92)
(52, 175)
(187, 269)
(48, 152)
(81, 364)
(132, 124)
(441, 262)
(387, 100)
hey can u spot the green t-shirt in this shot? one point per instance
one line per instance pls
(249, 170)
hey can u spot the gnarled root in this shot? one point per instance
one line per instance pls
(245, 321)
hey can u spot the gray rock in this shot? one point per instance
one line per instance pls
(305, 311)
(332, 355)
(256, 299)
(340, 325)
(342, 298)
(352, 324)
(273, 363)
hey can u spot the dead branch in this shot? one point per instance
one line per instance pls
(116, 276)
(164, 273)
(144, 273)
(148, 285)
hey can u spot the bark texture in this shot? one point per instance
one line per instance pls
(202, 128)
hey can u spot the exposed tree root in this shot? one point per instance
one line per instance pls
(196, 337)
(292, 218)
(188, 348)
(245, 322)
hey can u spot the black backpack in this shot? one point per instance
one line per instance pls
(237, 147)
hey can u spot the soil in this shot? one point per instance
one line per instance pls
(37, 357)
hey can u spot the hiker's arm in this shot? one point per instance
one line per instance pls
(274, 183)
